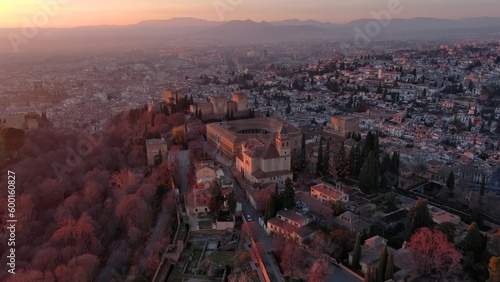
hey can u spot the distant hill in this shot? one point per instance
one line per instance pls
(179, 22)
(253, 31)
(296, 22)
(432, 24)
(192, 30)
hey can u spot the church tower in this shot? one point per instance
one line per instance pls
(283, 142)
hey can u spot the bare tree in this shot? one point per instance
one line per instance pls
(494, 244)
(290, 258)
(432, 252)
(32, 276)
(122, 179)
(134, 211)
(86, 264)
(51, 192)
(320, 270)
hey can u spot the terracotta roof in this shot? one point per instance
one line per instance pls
(269, 152)
(328, 190)
(308, 229)
(229, 130)
(348, 215)
(259, 174)
(292, 216)
(315, 206)
(282, 225)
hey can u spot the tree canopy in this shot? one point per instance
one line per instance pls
(13, 138)
(432, 254)
(418, 217)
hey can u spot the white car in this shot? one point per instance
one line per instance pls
(249, 218)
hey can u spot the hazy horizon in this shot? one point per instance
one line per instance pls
(75, 13)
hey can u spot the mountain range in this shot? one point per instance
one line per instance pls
(248, 31)
(294, 28)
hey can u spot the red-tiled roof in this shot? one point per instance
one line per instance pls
(259, 174)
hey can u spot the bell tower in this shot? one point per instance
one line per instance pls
(283, 142)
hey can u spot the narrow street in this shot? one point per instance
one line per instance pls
(258, 232)
(260, 235)
(182, 158)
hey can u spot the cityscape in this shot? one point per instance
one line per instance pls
(237, 141)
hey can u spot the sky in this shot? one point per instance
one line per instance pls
(70, 13)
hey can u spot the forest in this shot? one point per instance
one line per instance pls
(82, 215)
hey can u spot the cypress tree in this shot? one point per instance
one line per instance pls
(351, 162)
(358, 161)
(389, 269)
(326, 159)
(450, 181)
(369, 142)
(303, 155)
(473, 242)
(356, 253)
(385, 165)
(417, 217)
(382, 264)
(395, 165)
(368, 176)
(341, 164)
(272, 207)
(376, 148)
(319, 163)
(483, 185)
(288, 195)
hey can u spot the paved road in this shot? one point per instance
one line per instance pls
(340, 275)
(164, 220)
(260, 235)
(115, 259)
(183, 163)
(258, 232)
